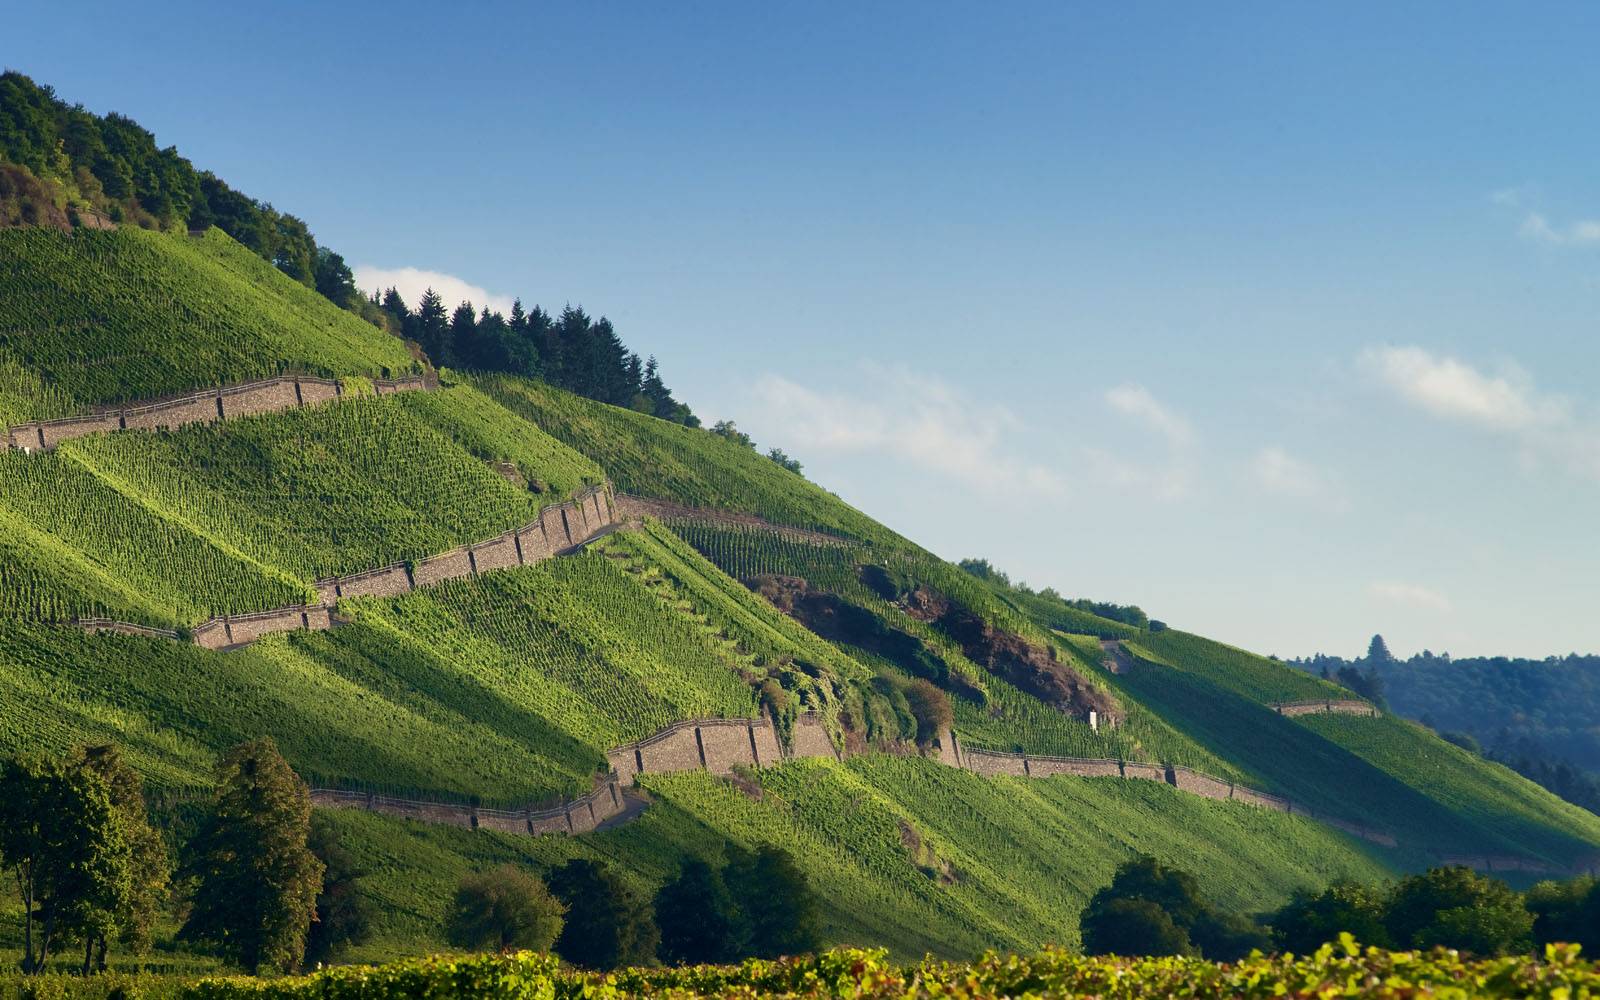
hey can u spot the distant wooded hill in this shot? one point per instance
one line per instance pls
(1542, 717)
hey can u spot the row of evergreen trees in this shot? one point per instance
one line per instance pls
(52, 149)
(572, 351)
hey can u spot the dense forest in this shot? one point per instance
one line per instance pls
(62, 165)
(1539, 717)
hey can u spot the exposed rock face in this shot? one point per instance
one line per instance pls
(1033, 668)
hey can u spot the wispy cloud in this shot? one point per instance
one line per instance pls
(1135, 401)
(911, 418)
(1454, 390)
(1276, 471)
(1580, 232)
(411, 282)
(1169, 477)
(1546, 427)
(1409, 595)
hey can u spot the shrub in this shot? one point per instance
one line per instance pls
(503, 909)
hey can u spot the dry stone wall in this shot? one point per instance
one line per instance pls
(1348, 706)
(505, 551)
(225, 403)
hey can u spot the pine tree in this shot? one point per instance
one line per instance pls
(1378, 651)
(464, 350)
(432, 328)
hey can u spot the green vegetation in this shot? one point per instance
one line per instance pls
(256, 879)
(1523, 817)
(654, 458)
(108, 317)
(900, 851)
(869, 975)
(1251, 676)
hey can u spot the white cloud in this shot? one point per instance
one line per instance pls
(1537, 228)
(1546, 427)
(1132, 400)
(1452, 389)
(1409, 595)
(915, 419)
(1279, 472)
(411, 282)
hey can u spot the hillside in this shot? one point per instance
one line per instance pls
(486, 672)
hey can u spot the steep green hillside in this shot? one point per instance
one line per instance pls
(105, 317)
(905, 853)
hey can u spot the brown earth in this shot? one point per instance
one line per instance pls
(1028, 666)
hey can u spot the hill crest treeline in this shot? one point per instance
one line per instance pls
(60, 163)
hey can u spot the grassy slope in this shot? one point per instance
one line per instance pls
(104, 317)
(1025, 855)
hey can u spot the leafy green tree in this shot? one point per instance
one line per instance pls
(1132, 927)
(1310, 920)
(1566, 911)
(132, 915)
(778, 912)
(1219, 936)
(731, 431)
(503, 909)
(1458, 908)
(697, 916)
(608, 925)
(62, 840)
(463, 343)
(257, 879)
(782, 459)
(334, 278)
(344, 913)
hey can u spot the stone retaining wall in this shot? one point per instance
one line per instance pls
(1347, 706)
(225, 403)
(503, 551)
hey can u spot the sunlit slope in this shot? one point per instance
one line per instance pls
(93, 317)
(243, 515)
(905, 853)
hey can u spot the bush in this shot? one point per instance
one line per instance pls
(1310, 920)
(504, 909)
(608, 925)
(1132, 927)
(1458, 908)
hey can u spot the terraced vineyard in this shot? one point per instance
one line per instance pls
(907, 853)
(110, 316)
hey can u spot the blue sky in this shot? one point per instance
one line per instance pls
(1276, 319)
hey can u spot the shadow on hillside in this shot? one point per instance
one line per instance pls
(1303, 765)
(414, 677)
